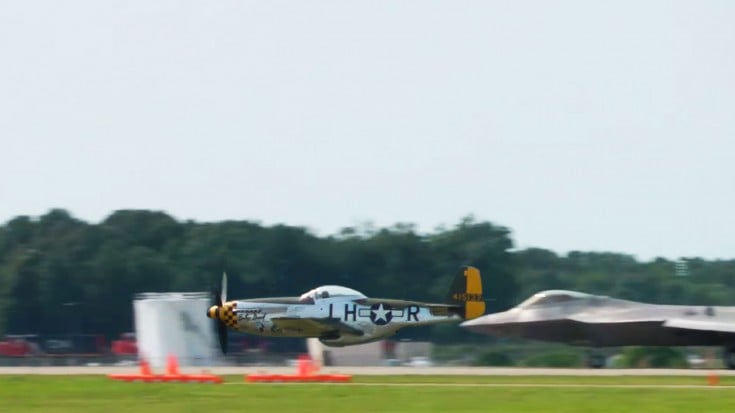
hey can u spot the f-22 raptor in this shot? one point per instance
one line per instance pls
(597, 321)
(340, 316)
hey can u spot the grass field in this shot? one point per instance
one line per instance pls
(371, 394)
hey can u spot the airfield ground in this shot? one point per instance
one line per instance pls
(381, 371)
(423, 393)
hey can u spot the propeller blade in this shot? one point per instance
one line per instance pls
(222, 335)
(223, 288)
(219, 298)
(216, 297)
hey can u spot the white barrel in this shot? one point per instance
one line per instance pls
(174, 324)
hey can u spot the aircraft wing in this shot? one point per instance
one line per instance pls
(702, 325)
(613, 318)
(399, 304)
(315, 326)
(438, 309)
(681, 323)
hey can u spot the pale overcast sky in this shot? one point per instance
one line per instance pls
(580, 125)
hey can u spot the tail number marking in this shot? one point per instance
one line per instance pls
(467, 297)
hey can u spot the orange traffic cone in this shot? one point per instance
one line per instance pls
(713, 379)
(306, 371)
(173, 375)
(303, 366)
(172, 366)
(145, 368)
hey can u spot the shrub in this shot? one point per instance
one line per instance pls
(559, 358)
(653, 357)
(494, 358)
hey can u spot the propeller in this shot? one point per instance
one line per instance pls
(219, 297)
(223, 288)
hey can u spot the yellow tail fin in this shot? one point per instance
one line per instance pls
(467, 292)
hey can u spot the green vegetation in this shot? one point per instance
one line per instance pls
(59, 274)
(558, 358)
(643, 357)
(543, 380)
(494, 358)
(94, 394)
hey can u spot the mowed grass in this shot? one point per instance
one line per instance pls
(545, 380)
(437, 394)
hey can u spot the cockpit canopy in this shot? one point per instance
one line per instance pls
(328, 291)
(554, 297)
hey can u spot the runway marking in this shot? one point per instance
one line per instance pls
(522, 385)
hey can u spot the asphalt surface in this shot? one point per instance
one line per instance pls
(521, 385)
(465, 371)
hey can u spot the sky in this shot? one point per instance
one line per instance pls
(579, 125)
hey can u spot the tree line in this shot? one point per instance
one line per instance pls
(60, 275)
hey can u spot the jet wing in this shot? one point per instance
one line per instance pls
(315, 326)
(702, 325)
(684, 324)
(613, 318)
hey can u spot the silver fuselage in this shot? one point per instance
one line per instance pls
(377, 319)
(583, 319)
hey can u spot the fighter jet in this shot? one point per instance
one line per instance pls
(340, 316)
(597, 321)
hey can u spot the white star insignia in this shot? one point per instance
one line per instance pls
(380, 313)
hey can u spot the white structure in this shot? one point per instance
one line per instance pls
(174, 324)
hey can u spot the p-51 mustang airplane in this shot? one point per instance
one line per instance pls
(340, 316)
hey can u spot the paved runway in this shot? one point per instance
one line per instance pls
(520, 385)
(478, 371)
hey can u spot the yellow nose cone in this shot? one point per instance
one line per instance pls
(212, 312)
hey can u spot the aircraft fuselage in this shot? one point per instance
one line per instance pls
(374, 321)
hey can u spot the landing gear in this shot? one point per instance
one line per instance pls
(728, 357)
(596, 359)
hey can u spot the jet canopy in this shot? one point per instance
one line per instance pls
(553, 297)
(328, 291)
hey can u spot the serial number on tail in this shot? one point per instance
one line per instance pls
(467, 297)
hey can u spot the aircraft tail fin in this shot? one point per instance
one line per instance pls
(466, 292)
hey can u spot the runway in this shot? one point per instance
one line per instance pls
(380, 371)
(511, 385)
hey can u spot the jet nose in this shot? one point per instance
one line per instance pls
(473, 322)
(490, 322)
(212, 312)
